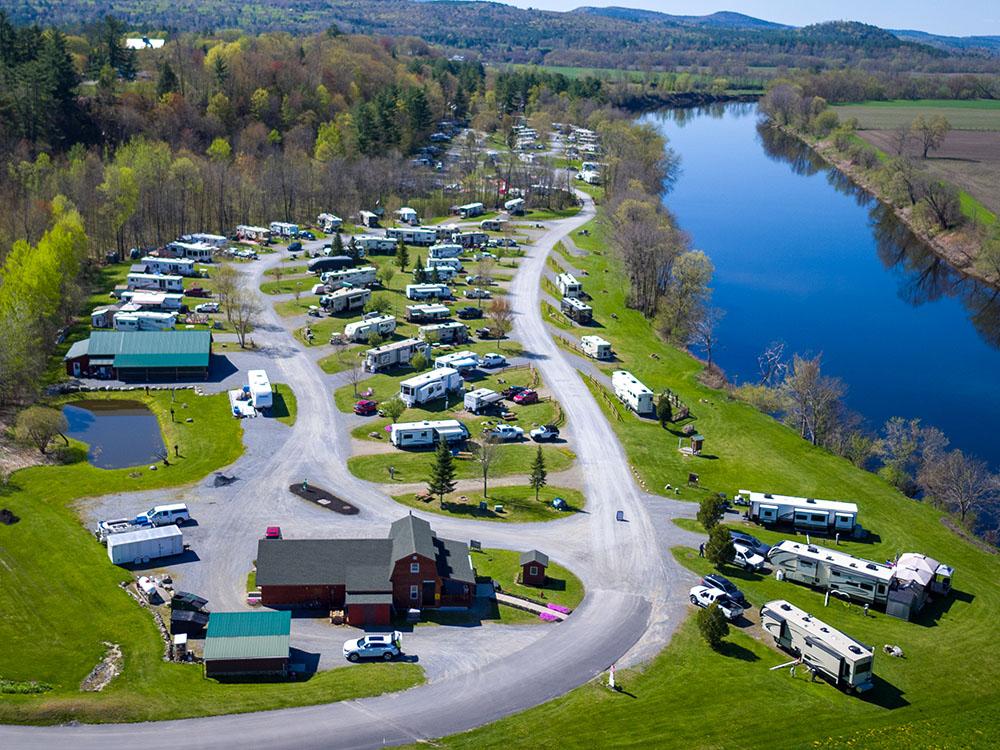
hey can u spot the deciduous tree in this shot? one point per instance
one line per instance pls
(37, 425)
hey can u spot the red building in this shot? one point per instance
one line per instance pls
(533, 565)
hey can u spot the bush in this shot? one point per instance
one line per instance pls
(713, 626)
(710, 511)
(419, 361)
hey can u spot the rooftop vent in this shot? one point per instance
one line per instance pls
(854, 649)
(810, 500)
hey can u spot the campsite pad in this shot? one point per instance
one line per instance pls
(324, 499)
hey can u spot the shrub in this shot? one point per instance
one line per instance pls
(713, 626)
(710, 511)
(719, 549)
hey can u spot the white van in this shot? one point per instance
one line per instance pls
(164, 515)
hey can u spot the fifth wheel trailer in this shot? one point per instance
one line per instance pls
(832, 570)
(427, 433)
(145, 544)
(383, 325)
(838, 657)
(396, 354)
(632, 392)
(429, 386)
(808, 513)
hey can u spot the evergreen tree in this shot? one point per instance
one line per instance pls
(713, 626)
(710, 511)
(419, 274)
(167, 82)
(352, 250)
(664, 411)
(537, 480)
(338, 244)
(435, 276)
(402, 255)
(442, 478)
(719, 548)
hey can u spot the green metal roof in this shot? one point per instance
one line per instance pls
(152, 348)
(248, 647)
(248, 635)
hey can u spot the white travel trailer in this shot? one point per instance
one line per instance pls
(361, 276)
(514, 206)
(428, 434)
(444, 250)
(144, 321)
(428, 291)
(368, 219)
(632, 393)
(568, 285)
(462, 361)
(200, 251)
(830, 516)
(252, 233)
(596, 347)
(576, 309)
(374, 244)
(384, 325)
(452, 332)
(427, 313)
(284, 229)
(443, 274)
(174, 266)
(215, 240)
(407, 215)
(832, 570)
(155, 282)
(329, 222)
(838, 657)
(443, 232)
(469, 210)
(480, 399)
(590, 177)
(412, 235)
(492, 225)
(347, 299)
(429, 386)
(260, 390)
(470, 239)
(145, 544)
(441, 263)
(396, 354)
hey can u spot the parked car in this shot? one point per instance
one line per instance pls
(705, 596)
(385, 646)
(484, 332)
(207, 307)
(526, 397)
(272, 532)
(197, 291)
(469, 313)
(544, 432)
(507, 242)
(492, 359)
(365, 408)
(478, 293)
(506, 433)
(512, 390)
(475, 279)
(295, 247)
(748, 540)
(746, 557)
(307, 235)
(714, 580)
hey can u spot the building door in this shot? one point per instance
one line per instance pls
(76, 369)
(427, 593)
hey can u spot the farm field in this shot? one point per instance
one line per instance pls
(978, 114)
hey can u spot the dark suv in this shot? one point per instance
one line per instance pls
(724, 584)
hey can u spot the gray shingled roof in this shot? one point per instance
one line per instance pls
(411, 536)
(359, 564)
(453, 560)
(536, 557)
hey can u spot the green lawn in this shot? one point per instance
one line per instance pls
(289, 283)
(550, 214)
(976, 114)
(284, 407)
(551, 315)
(519, 504)
(561, 586)
(413, 466)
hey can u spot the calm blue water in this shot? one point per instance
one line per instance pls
(802, 257)
(120, 433)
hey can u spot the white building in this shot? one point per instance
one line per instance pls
(429, 386)
(632, 393)
(143, 42)
(596, 347)
(427, 433)
(801, 512)
(384, 325)
(155, 301)
(396, 354)
(568, 285)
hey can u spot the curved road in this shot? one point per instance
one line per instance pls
(634, 589)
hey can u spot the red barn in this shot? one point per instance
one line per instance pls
(533, 565)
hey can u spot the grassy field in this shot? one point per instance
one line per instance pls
(519, 504)
(561, 586)
(976, 114)
(285, 407)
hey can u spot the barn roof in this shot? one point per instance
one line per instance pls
(248, 635)
(147, 348)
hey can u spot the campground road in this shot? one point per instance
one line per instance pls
(635, 591)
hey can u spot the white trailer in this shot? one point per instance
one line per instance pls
(143, 320)
(492, 225)
(631, 392)
(427, 313)
(568, 285)
(412, 235)
(838, 657)
(470, 239)
(252, 233)
(407, 215)
(155, 282)
(384, 325)
(514, 206)
(396, 354)
(443, 232)
(429, 386)
(428, 291)
(368, 219)
(445, 250)
(452, 332)
(453, 264)
(576, 309)
(284, 229)
(260, 390)
(480, 399)
(173, 266)
(329, 222)
(830, 516)
(469, 210)
(831, 570)
(347, 299)
(443, 274)
(590, 177)
(462, 361)
(427, 434)
(158, 301)
(374, 244)
(201, 251)
(145, 544)
(596, 347)
(361, 276)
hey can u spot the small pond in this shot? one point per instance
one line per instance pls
(120, 433)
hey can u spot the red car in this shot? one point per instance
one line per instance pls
(365, 408)
(272, 532)
(526, 397)
(197, 291)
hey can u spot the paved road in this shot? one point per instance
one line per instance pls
(635, 592)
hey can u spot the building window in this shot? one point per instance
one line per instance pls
(533, 571)
(414, 591)
(415, 567)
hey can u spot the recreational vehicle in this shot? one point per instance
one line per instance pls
(568, 285)
(462, 361)
(144, 321)
(440, 263)
(442, 232)
(577, 310)
(492, 225)
(362, 276)
(260, 390)
(470, 209)
(596, 347)
(284, 229)
(444, 333)
(396, 354)
(470, 239)
(200, 251)
(427, 291)
(329, 222)
(368, 219)
(444, 250)
(412, 236)
(632, 393)
(347, 299)
(427, 313)
(407, 215)
(429, 386)
(155, 301)
(253, 234)
(383, 325)
(838, 657)
(440, 274)
(145, 544)
(171, 266)
(829, 516)
(373, 244)
(155, 282)
(831, 569)
(514, 206)
(428, 434)
(590, 177)
(480, 399)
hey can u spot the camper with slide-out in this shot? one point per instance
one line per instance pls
(462, 361)
(842, 660)
(633, 393)
(428, 433)
(806, 513)
(428, 291)
(395, 354)
(383, 325)
(348, 299)
(568, 285)
(451, 332)
(429, 386)
(595, 347)
(481, 399)
(412, 236)
(831, 570)
(444, 250)
(453, 264)
(427, 313)
(362, 276)
(577, 310)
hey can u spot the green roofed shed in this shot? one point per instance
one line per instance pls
(247, 643)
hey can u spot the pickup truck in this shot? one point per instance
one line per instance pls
(506, 433)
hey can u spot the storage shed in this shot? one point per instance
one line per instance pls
(141, 355)
(247, 643)
(533, 565)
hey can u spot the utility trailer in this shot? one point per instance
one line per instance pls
(145, 544)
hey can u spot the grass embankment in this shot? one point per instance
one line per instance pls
(60, 597)
(519, 504)
(561, 586)
(284, 407)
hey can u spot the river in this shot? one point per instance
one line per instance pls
(804, 257)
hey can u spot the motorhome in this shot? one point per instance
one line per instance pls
(329, 222)
(362, 276)
(568, 285)
(453, 263)
(470, 239)
(492, 225)
(330, 263)
(172, 266)
(462, 361)
(373, 244)
(383, 325)
(407, 215)
(253, 234)
(481, 399)
(444, 333)
(347, 299)
(396, 354)
(631, 392)
(154, 301)
(577, 310)
(838, 657)
(427, 313)
(144, 321)
(428, 434)
(428, 291)
(155, 282)
(429, 386)
(470, 210)
(444, 250)
(832, 570)
(412, 236)
(514, 206)
(829, 516)
(284, 229)
(368, 219)
(596, 347)
(261, 395)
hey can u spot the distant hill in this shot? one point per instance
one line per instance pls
(721, 20)
(987, 44)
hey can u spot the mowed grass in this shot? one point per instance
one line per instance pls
(60, 598)
(975, 114)
(519, 504)
(561, 586)
(415, 466)
(284, 407)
